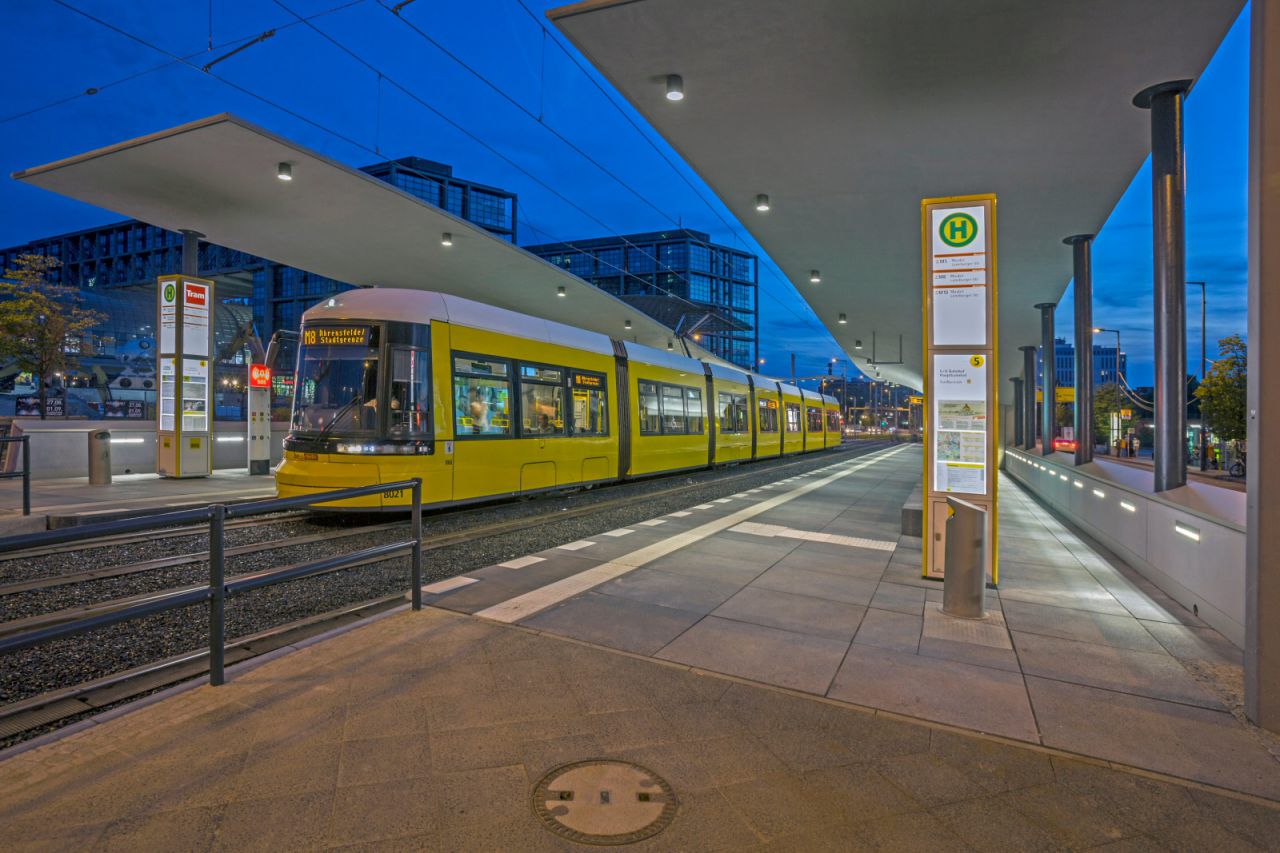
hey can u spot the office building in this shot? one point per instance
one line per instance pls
(703, 291)
(1104, 364)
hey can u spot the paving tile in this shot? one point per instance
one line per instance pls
(899, 598)
(800, 613)
(785, 658)
(890, 630)
(670, 590)
(972, 653)
(474, 748)
(388, 810)
(481, 796)
(833, 587)
(292, 822)
(706, 821)
(990, 824)
(386, 759)
(1122, 632)
(709, 567)
(870, 737)
(1168, 737)
(1191, 643)
(975, 697)
(784, 804)
(918, 831)
(619, 623)
(1145, 804)
(1070, 818)
(178, 831)
(619, 730)
(1157, 676)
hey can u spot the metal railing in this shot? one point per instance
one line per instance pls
(218, 588)
(25, 473)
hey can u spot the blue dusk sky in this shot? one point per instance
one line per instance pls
(506, 132)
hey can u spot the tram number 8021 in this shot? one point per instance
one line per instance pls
(393, 494)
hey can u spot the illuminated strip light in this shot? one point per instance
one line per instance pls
(1125, 505)
(1063, 477)
(1078, 484)
(223, 438)
(1187, 531)
(1098, 493)
(127, 440)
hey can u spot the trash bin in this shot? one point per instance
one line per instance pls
(964, 584)
(99, 457)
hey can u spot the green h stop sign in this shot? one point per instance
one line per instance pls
(170, 292)
(958, 230)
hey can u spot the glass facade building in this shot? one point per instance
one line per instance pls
(682, 265)
(114, 268)
(1108, 365)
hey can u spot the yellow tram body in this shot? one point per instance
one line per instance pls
(483, 403)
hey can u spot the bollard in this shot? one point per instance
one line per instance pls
(964, 581)
(99, 457)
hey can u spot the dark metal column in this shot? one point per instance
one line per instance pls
(191, 252)
(1018, 420)
(1262, 552)
(1028, 396)
(1168, 200)
(1082, 274)
(1048, 378)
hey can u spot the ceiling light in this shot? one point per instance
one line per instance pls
(844, 320)
(814, 278)
(626, 324)
(560, 290)
(446, 239)
(284, 171)
(675, 87)
(762, 203)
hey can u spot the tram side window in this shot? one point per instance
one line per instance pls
(673, 414)
(793, 417)
(815, 419)
(410, 392)
(768, 416)
(693, 406)
(650, 419)
(541, 400)
(733, 412)
(481, 397)
(590, 404)
(833, 421)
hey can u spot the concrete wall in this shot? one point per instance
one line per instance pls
(61, 448)
(1115, 504)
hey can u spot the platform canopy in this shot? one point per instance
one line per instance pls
(218, 176)
(846, 113)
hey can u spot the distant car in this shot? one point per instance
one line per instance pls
(1067, 444)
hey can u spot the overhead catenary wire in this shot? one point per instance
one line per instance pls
(90, 91)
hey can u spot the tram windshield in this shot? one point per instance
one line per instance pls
(337, 383)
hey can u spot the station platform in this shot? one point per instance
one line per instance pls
(774, 656)
(71, 500)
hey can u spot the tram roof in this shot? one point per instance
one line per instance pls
(847, 112)
(218, 176)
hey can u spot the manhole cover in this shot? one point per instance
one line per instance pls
(604, 802)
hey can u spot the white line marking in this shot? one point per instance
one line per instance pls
(576, 546)
(521, 562)
(621, 531)
(703, 506)
(679, 514)
(722, 500)
(523, 606)
(654, 522)
(445, 586)
(773, 530)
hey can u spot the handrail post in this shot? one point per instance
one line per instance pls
(217, 593)
(416, 560)
(26, 475)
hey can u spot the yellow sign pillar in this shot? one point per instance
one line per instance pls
(961, 406)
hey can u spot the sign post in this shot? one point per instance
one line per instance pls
(259, 397)
(184, 441)
(960, 360)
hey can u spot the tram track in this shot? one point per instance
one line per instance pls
(467, 548)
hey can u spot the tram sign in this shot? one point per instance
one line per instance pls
(336, 336)
(958, 238)
(184, 423)
(259, 376)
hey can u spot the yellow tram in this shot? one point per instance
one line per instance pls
(484, 403)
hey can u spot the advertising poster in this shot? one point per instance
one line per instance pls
(960, 415)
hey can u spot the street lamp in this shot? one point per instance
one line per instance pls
(1115, 379)
(1204, 437)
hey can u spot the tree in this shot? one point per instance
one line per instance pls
(1107, 402)
(41, 323)
(1224, 393)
